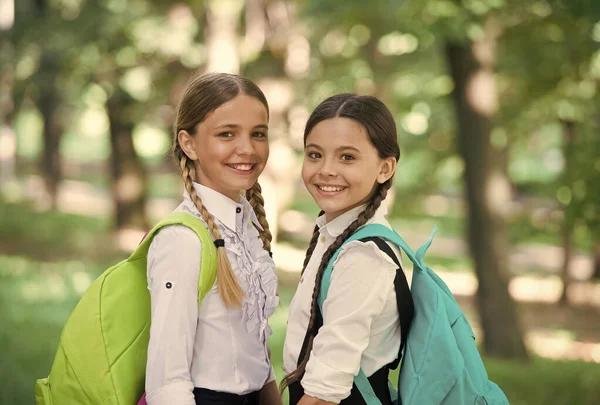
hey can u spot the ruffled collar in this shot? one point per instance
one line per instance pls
(222, 207)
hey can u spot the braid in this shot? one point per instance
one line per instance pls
(229, 289)
(362, 219)
(311, 245)
(257, 202)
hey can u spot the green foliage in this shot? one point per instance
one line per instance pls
(37, 297)
(55, 235)
(547, 382)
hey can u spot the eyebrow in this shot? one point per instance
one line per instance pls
(338, 149)
(235, 126)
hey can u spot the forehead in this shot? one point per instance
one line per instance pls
(339, 131)
(241, 110)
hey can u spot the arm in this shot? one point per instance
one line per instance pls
(173, 272)
(360, 285)
(269, 394)
(308, 400)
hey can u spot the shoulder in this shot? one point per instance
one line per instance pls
(174, 254)
(356, 256)
(179, 237)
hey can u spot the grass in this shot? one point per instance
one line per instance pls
(37, 297)
(51, 234)
(58, 255)
(35, 300)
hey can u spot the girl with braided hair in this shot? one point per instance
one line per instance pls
(216, 353)
(351, 151)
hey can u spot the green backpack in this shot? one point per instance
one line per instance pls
(101, 357)
(441, 364)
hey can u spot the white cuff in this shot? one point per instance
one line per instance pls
(180, 393)
(323, 382)
(271, 375)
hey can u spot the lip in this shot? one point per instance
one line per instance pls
(238, 170)
(324, 193)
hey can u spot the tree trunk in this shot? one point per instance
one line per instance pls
(256, 29)
(567, 244)
(278, 190)
(475, 98)
(567, 227)
(128, 175)
(8, 139)
(49, 105)
(596, 272)
(222, 36)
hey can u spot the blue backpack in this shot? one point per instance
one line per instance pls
(441, 364)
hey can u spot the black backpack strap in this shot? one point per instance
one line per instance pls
(309, 332)
(404, 301)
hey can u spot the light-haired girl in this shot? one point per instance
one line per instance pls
(216, 353)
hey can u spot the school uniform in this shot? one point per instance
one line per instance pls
(360, 321)
(210, 354)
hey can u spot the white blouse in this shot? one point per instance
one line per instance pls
(213, 346)
(361, 325)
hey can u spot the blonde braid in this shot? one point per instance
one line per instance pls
(257, 202)
(229, 288)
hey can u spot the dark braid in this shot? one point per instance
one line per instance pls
(311, 246)
(362, 219)
(378, 122)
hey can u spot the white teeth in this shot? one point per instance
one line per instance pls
(242, 167)
(331, 188)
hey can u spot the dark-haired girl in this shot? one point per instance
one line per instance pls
(351, 151)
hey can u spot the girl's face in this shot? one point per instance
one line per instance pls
(230, 147)
(341, 166)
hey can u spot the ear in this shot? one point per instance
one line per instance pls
(186, 141)
(386, 170)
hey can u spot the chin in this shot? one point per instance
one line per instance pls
(332, 208)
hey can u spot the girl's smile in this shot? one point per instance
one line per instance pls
(230, 147)
(241, 168)
(341, 166)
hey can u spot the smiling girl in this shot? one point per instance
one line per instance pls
(216, 353)
(351, 151)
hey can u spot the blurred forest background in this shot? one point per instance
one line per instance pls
(498, 111)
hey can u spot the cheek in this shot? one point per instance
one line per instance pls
(365, 177)
(306, 172)
(264, 152)
(212, 149)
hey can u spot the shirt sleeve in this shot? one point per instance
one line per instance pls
(359, 288)
(173, 272)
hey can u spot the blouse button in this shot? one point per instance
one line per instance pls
(238, 210)
(322, 239)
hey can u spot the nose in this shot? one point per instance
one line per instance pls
(328, 168)
(245, 146)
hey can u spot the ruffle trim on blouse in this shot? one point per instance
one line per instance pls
(259, 283)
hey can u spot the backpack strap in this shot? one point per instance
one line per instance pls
(208, 270)
(404, 301)
(379, 232)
